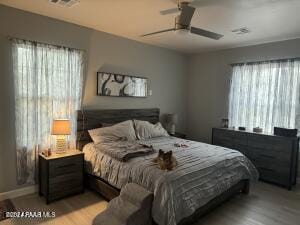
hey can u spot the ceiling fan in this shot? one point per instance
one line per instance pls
(183, 22)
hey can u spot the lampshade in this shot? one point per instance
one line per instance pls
(171, 118)
(61, 127)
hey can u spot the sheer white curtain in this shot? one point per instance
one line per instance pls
(265, 94)
(48, 85)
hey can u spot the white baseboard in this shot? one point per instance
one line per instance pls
(18, 192)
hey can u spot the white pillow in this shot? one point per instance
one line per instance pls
(145, 130)
(120, 131)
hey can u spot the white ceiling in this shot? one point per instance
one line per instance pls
(268, 20)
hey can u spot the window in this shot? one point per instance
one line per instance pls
(48, 84)
(265, 94)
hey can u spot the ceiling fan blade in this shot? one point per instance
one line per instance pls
(186, 15)
(169, 11)
(206, 33)
(158, 32)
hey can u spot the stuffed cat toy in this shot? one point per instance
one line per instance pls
(165, 160)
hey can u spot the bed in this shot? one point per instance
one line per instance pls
(205, 177)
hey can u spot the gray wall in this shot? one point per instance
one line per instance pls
(209, 82)
(165, 69)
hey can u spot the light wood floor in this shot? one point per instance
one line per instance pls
(266, 205)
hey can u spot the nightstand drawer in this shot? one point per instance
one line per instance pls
(60, 194)
(65, 186)
(65, 165)
(65, 178)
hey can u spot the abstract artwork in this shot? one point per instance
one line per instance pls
(110, 84)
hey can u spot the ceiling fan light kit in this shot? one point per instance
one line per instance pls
(243, 30)
(183, 23)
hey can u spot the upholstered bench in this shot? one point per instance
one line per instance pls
(131, 207)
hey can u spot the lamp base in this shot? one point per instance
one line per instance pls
(61, 144)
(172, 129)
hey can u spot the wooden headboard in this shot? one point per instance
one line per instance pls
(91, 119)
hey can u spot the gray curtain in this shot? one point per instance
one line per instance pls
(48, 85)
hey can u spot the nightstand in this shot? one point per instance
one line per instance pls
(179, 135)
(61, 175)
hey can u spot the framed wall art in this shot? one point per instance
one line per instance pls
(118, 85)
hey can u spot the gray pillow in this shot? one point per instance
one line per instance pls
(145, 130)
(120, 131)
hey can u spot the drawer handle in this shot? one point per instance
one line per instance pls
(68, 165)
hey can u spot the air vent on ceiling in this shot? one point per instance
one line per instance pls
(243, 30)
(65, 3)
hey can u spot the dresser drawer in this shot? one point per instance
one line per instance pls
(240, 138)
(273, 170)
(241, 148)
(65, 165)
(272, 143)
(255, 153)
(223, 142)
(223, 134)
(276, 166)
(230, 139)
(274, 176)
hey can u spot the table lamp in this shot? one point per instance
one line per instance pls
(61, 128)
(171, 120)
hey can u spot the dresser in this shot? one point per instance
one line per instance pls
(61, 175)
(275, 157)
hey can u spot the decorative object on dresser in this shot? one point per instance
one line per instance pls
(61, 128)
(225, 123)
(118, 85)
(171, 120)
(242, 128)
(179, 135)
(61, 175)
(257, 130)
(275, 157)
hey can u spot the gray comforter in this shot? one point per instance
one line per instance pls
(203, 172)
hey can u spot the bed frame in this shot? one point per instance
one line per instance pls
(90, 119)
